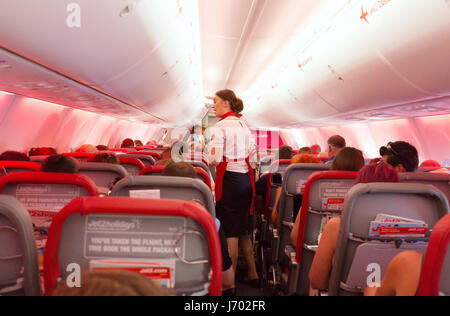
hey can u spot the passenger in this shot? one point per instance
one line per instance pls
(105, 158)
(235, 178)
(180, 169)
(335, 144)
(197, 141)
(305, 159)
(167, 154)
(402, 277)
(297, 202)
(284, 152)
(305, 151)
(315, 149)
(42, 151)
(401, 156)
(13, 156)
(102, 148)
(164, 162)
(138, 143)
(348, 159)
(89, 149)
(127, 143)
(112, 283)
(59, 164)
(186, 170)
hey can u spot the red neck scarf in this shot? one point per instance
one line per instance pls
(231, 113)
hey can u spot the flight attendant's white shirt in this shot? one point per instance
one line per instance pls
(233, 140)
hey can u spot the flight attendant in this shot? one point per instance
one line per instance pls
(230, 151)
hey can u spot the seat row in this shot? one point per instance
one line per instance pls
(104, 174)
(320, 195)
(174, 242)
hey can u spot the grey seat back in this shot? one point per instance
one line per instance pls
(19, 271)
(326, 201)
(44, 200)
(104, 175)
(146, 160)
(173, 243)
(356, 250)
(293, 183)
(131, 169)
(171, 188)
(38, 159)
(439, 180)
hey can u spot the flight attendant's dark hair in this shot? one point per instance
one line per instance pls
(237, 106)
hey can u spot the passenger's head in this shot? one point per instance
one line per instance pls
(164, 162)
(102, 148)
(127, 143)
(285, 152)
(42, 151)
(167, 154)
(305, 151)
(348, 159)
(112, 283)
(226, 101)
(138, 143)
(13, 156)
(89, 149)
(335, 144)
(105, 158)
(402, 156)
(198, 129)
(179, 169)
(380, 172)
(316, 149)
(59, 164)
(305, 159)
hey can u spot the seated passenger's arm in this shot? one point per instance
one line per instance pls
(275, 208)
(320, 272)
(402, 277)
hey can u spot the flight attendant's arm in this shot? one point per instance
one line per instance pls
(215, 154)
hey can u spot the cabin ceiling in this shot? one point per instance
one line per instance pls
(296, 63)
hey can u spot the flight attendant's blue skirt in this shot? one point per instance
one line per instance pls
(234, 207)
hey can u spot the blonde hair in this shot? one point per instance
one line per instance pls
(112, 283)
(305, 159)
(87, 149)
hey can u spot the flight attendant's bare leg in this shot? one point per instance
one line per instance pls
(247, 249)
(233, 248)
